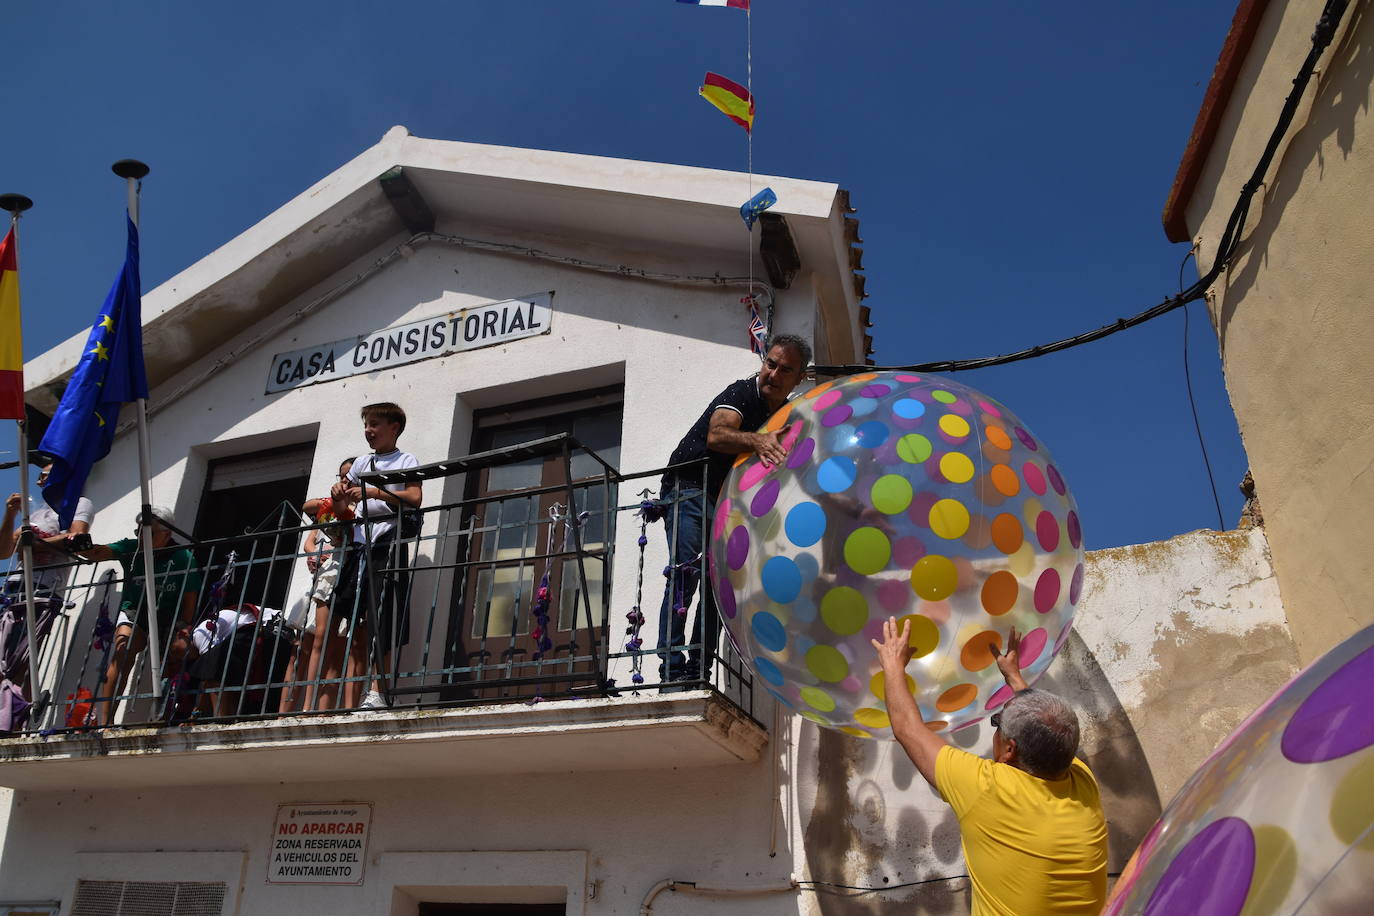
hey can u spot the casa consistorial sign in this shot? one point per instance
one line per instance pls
(466, 329)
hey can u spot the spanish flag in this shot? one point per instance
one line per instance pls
(11, 352)
(731, 98)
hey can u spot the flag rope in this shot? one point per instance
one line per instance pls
(749, 141)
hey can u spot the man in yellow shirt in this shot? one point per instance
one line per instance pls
(1030, 819)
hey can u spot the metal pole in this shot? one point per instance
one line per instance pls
(17, 204)
(133, 171)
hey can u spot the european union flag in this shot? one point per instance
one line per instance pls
(756, 205)
(110, 372)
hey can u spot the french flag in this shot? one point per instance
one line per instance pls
(737, 4)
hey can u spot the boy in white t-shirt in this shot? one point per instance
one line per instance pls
(375, 550)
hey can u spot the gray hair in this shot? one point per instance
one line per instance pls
(794, 342)
(1045, 730)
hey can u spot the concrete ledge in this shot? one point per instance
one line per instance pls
(691, 729)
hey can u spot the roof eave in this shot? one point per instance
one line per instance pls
(1244, 26)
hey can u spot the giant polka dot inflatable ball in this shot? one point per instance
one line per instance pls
(1280, 819)
(901, 495)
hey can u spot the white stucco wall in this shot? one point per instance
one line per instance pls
(673, 347)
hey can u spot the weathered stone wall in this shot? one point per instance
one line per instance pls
(1175, 643)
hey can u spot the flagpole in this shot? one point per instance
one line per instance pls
(133, 171)
(17, 204)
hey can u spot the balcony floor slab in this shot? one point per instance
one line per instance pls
(689, 729)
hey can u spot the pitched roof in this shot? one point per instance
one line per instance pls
(644, 206)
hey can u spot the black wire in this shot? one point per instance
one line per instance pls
(1188, 378)
(1226, 248)
(868, 888)
(865, 889)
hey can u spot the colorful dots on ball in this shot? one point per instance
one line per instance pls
(1275, 820)
(837, 474)
(827, 663)
(782, 579)
(737, 548)
(867, 550)
(949, 519)
(817, 698)
(901, 495)
(873, 718)
(956, 467)
(954, 427)
(805, 524)
(956, 698)
(844, 610)
(978, 653)
(925, 635)
(908, 409)
(877, 685)
(768, 671)
(999, 594)
(934, 577)
(1337, 718)
(768, 631)
(914, 448)
(891, 494)
(998, 437)
(1047, 591)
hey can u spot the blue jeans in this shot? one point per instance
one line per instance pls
(684, 520)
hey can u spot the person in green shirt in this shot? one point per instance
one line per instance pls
(178, 583)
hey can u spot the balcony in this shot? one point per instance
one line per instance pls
(492, 679)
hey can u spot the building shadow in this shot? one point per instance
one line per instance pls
(1338, 104)
(1108, 742)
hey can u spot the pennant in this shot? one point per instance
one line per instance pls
(110, 373)
(758, 331)
(11, 346)
(756, 205)
(736, 4)
(731, 98)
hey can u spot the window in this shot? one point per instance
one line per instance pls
(262, 491)
(511, 533)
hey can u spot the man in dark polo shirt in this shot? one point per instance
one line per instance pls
(722, 432)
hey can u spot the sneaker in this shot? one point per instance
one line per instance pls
(373, 700)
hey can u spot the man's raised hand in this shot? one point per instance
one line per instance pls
(894, 652)
(1009, 662)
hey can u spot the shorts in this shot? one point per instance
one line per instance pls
(166, 621)
(377, 571)
(326, 579)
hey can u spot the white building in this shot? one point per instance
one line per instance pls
(627, 279)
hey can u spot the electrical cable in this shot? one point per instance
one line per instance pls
(1188, 379)
(1226, 248)
(861, 889)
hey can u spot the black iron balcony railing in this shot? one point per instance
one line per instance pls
(506, 597)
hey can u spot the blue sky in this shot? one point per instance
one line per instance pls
(1009, 163)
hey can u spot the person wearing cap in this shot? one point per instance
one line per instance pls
(178, 584)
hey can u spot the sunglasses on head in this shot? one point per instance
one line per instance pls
(996, 720)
